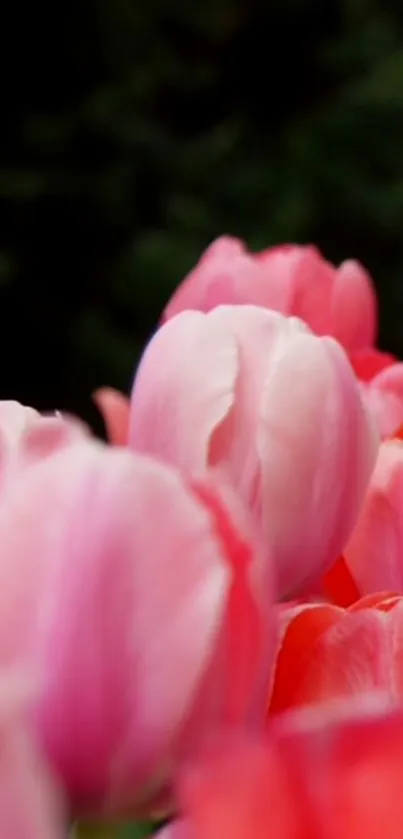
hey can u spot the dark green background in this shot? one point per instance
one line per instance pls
(135, 131)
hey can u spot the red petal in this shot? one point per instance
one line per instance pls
(368, 363)
(339, 586)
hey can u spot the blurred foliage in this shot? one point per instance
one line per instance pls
(135, 131)
(112, 830)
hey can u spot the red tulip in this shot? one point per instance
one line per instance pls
(331, 774)
(328, 653)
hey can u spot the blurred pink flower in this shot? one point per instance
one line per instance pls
(275, 407)
(326, 774)
(30, 804)
(139, 602)
(27, 436)
(295, 280)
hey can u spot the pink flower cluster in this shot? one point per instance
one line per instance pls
(203, 619)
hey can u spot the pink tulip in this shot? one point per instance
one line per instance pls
(333, 773)
(295, 280)
(30, 805)
(138, 601)
(374, 553)
(26, 436)
(275, 407)
(227, 274)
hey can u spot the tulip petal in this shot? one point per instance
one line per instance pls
(30, 805)
(339, 586)
(127, 620)
(328, 654)
(369, 362)
(384, 397)
(27, 437)
(278, 409)
(225, 274)
(354, 307)
(317, 419)
(304, 626)
(115, 410)
(374, 551)
(183, 390)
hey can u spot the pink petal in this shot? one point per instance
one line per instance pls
(227, 274)
(225, 247)
(30, 807)
(122, 618)
(260, 336)
(278, 409)
(313, 434)
(115, 408)
(384, 397)
(374, 553)
(26, 437)
(313, 279)
(183, 390)
(354, 307)
(177, 829)
(15, 418)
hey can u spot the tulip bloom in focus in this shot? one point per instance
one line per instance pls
(295, 280)
(139, 603)
(329, 774)
(275, 407)
(298, 281)
(331, 653)
(30, 807)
